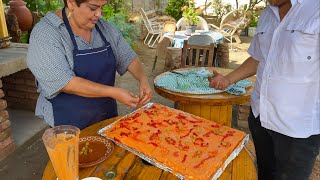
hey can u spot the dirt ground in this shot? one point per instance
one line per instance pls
(29, 160)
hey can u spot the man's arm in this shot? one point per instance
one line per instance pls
(247, 69)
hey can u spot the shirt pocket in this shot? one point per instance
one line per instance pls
(302, 50)
(303, 41)
(264, 38)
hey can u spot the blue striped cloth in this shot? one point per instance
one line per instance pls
(195, 81)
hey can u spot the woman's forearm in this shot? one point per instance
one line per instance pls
(136, 69)
(86, 88)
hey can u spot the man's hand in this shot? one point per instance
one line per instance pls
(218, 81)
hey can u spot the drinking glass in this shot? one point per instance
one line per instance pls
(62, 144)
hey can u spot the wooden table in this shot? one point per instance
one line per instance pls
(215, 107)
(128, 166)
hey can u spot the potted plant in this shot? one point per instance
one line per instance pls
(253, 25)
(190, 17)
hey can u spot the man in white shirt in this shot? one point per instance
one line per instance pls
(285, 103)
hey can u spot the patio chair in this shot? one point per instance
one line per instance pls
(161, 50)
(232, 24)
(197, 55)
(201, 25)
(168, 27)
(153, 28)
(203, 40)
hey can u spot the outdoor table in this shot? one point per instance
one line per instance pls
(179, 37)
(216, 107)
(125, 165)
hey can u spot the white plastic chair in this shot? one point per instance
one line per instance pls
(153, 28)
(232, 24)
(201, 25)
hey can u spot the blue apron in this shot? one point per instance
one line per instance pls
(97, 65)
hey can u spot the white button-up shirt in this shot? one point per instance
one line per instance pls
(286, 93)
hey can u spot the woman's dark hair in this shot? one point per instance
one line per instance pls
(78, 2)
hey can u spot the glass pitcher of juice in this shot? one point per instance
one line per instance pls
(62, 144)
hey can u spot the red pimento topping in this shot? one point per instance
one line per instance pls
(125, 134)
(176, 154)
(198, 141)
(184, 158)
(123, 125)
(136, 121)
(207, 134)
(190, 121)
(185, 148)
(116, 139)
(216, 126)
(155, 135)
(197, 166)
(229, 133)
(204, 144)
(170, 140)
(113, 129)
(136, 116)
(187, 134)
(181, 116)
(154, 144)
(154, 124)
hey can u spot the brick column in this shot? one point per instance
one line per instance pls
(20, 90)
(243, 114)
(7, 145)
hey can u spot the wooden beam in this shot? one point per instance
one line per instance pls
(3, 24)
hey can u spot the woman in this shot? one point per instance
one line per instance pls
(74, 56)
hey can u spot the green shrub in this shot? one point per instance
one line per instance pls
(174, 8)
(118, 16)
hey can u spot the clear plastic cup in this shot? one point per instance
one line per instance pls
(62, 144)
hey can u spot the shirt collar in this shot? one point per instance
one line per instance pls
(275, 9)
(54, 19)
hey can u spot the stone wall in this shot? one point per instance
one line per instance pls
(147, 5)
(20, 90)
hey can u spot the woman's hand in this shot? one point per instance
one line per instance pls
(218, 81)
(126, 97)
(145, 92)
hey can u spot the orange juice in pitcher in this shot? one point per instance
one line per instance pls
(62, 144)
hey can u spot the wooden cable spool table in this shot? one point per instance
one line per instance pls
(218, 108)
